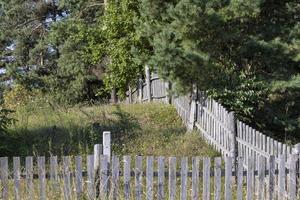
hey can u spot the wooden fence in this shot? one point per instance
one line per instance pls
(148, 178)
(217, 126)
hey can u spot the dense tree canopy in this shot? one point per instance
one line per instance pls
(246, 53)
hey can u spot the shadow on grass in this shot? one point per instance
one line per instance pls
(71, 138)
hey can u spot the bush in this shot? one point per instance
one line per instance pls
(18, 96)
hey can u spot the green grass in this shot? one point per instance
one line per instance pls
(141, 129)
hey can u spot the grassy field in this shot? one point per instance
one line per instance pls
(141, 129)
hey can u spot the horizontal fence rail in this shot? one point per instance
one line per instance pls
(148, 177)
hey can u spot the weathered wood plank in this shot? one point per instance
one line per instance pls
(261, 177)
(271, 181)
(29, 177)
(97, 152)
(78, 177)
(292, 177)
(184, 171)
(149, 178)
(115, 165)
(127, 176)
(54, 173)
(239, 178)
(161, 178)
(104, 181)
(206, 178)
(138, 177)
(195, 178)
(90, 177)
(172, 178)
(17, 177)
(4, 177)
(67, 177)
(42, 178)
(107, 144)
(217, 180)
(228, 178)
(250, 177)
(281, 176)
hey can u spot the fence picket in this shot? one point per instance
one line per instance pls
(183, 184)
(90, 177)
(115, 165)
(127, 164)
(217, 181)
(240, 178)
(195, 178)
(104, 181)
(271, 181)
(206, 178)
(250, 177)
(161, 178)
(67, 177)
(172, 178)
(53, 173)
(228, 177)
(4, 177)
(281, 176)
(42, 178)
(261, 177)
(292, 176)
(78, 177)
(17, 177)
(149, 178)
(29, 177)
(138, 177)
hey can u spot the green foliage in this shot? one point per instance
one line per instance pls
(238, 51)
(120, 36)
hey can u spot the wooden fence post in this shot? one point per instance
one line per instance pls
(97, 153)
(130, 95)
(233, 142)
(193, 109)
(168, 87)
(148, 82)
(140, 89)
(106, 144)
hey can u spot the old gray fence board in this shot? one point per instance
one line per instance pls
(127, 175)
(228, 178)
(250, 178)
(54, 173)
(149, 178)
(78, 177)
(161, 178)
(206, 178)
(184, 171)
(172, 178)
(271, 182)
(138, 177)
(115, 165)
(4, 177)
(17, 177)
(195, 178)
(217, 180)
(29, 176)
(240, 178)
(261, 177)
(42, 178)
(67, 177)
(90, 177)
(104, 176)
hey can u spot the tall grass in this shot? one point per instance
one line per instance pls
(144, 129)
